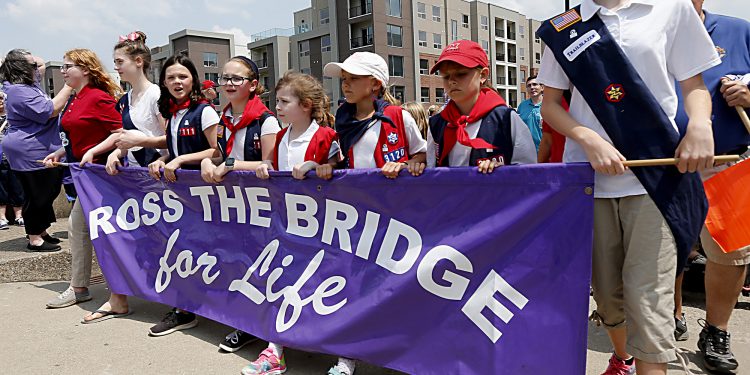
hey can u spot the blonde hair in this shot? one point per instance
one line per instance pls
(98, 77)
(419, 114)
(307, 88)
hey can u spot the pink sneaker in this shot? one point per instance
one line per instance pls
(619, 367)
(266, 364)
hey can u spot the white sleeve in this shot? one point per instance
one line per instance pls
(524, 151)
(335, 149)
(209, 117)
(431, 157)
(417, 144)
(691, 51)
(154, 94)
(270, 126)
(551, 73)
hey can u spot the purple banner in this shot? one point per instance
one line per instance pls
(452, 272)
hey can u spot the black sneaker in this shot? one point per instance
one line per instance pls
(174, 321)
(236, 340)
(45, 247)
(681, 329)
(714, 345)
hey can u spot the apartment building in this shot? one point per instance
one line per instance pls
(270, 52)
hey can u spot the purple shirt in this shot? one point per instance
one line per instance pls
(32, 134)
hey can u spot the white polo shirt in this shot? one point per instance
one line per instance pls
(524, 150)
(293, 152)
(364, 149)
(270, 126)
(665, 41)
(209, 118)
(146, 117)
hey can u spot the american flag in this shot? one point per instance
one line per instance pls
(566, 19)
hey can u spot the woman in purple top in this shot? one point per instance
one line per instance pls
(32, 136)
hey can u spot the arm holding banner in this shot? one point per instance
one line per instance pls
(194, 158)
(696, 150)
(603, 156)
(105, 146)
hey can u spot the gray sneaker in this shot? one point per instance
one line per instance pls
(68, 298)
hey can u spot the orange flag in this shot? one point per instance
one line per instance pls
(728, 219)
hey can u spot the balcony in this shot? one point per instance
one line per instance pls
(500, 57)
(499, 32)
(363, 8)
(262, 63)
(362, 41)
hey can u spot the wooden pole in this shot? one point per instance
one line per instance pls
(673, 161)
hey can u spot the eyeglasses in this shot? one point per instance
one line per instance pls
(235, 81)
(65, 67)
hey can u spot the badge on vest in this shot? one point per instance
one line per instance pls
(566, 19)
(497, 159)
(614, 93)
(256, 141)
(581, 44)
(187, 132)
(392, 138)
(394, 156)
(220, 131)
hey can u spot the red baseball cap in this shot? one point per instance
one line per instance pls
(463, 52)
(207, 85)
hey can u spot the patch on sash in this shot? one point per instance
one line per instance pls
(721, 51)
(614, 93)
(220, 131)
(392, 138)
(564, 20)
(581, 44)
(394, 156)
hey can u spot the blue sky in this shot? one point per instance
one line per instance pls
(50, 27)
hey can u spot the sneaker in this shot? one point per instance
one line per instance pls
(172, 322)
(699, 260)
(681, 329)
(4, 224)
(68, 298)
(266, 364)
(344, 366)
(717, 355)
(618, 367)
(19, 221)
(45, 247)
(236, 340)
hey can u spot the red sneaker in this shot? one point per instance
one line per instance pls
(619, 367)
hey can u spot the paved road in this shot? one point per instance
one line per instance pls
(40, 341)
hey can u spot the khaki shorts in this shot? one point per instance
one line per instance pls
(634, 268)
(739, 257)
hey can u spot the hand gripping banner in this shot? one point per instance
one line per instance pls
(452, 272)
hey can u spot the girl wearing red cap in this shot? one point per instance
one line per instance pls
(476, 128)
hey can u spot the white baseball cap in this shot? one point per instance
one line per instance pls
(360, 64)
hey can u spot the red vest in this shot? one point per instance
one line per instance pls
(393, 146)
(317, 150)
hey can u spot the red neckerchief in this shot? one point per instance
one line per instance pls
(253, 110)
(488, 100)
(174, 108)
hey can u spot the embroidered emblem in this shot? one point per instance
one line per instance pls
(565, 20)
(721, 51)
(392, 138)
(385, 148)
(614, 93)
(573, 33)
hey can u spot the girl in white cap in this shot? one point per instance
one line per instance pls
(375, 131)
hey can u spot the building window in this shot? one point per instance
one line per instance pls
(324, 17)
(454, 30)
(521, 31)
(521, 53)
(436, 13)
(439, 95)
(393, 8)
(486, 47)
(485, 22)
(422, 38)
(394, 36)
(398, 92)
(437, 41)
(465, 22)
(422, 11)
(210, 59)
(304, 48)
(424, 94)
(537, 58)
(325, 43)
(396, 66)
(424, 67)
(537, 40)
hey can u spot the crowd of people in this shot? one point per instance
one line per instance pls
(669, 75)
